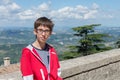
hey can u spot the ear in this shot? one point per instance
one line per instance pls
(51, 33)
(34, 31)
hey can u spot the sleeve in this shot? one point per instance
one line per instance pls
(59, 72)
(57, 64)
(25, 65)
(59, 68)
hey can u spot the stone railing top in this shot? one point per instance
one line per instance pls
(82, 64)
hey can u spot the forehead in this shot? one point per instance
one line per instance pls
(43, 27)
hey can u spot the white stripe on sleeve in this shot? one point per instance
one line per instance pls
(42, 74)
(59, 71)
(29, 77)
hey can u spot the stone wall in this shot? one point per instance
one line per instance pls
(100, 66)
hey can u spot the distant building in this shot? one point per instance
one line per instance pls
(6, 61)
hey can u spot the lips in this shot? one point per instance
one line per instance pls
(43, 38)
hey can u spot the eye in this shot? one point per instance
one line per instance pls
(40, 31)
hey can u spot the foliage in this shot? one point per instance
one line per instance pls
(90, 41)
(118, 43)
(11, 50)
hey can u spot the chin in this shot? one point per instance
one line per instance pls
(43, 41)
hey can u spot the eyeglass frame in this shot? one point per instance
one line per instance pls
(40, 31)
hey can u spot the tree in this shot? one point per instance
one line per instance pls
(90, 41)
(118, 43)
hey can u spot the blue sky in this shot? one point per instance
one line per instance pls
(69, 13)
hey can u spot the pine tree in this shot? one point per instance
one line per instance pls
(118, 43)
(90, 41)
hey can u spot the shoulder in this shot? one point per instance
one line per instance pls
(27, 49)
(50, 45)
(52, 49)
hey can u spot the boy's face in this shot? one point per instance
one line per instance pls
(42, 33)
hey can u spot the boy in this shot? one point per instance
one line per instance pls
(39, 60)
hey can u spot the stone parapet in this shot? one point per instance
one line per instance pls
(100, 66)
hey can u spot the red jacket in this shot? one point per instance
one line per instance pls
(33, 68)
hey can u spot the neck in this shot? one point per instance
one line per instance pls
(39, 45)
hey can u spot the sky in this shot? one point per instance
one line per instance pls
(64, 13)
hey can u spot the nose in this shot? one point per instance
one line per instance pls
(43, 33)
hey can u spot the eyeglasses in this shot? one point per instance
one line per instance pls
(40, 31)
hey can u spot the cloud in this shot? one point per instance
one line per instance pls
(95, 6)
(8, 9)
(4, 2)
(13, 6)
(35, 12)
(8, 6)
(8, 12)
(77, 12)
(43, 7)
(90, 14)
(11, 12)
(28, 14)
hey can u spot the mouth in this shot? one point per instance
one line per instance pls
(43, 38)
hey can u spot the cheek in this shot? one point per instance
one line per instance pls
(38, 36)
(47, 36)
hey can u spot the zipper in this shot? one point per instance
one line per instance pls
(41, 70)
(48, 70)
(49, 66)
